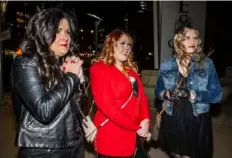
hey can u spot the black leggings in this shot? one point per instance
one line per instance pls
(75, 152)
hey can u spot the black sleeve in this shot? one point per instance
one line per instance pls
(43, 105)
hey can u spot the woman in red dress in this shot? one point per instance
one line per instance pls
(114, 81)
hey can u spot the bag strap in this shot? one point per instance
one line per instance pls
(91, 108)
(166, 105)
(188, 70)
(121, 108)
(86, 93)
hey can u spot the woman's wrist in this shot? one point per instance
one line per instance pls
(146, 120)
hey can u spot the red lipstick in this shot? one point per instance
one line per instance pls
(64, 45)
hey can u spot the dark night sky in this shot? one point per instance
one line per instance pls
(112, 12)
(108, 11)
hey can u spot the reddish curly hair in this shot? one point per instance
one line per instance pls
(107, 54)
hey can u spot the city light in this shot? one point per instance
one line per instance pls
(4, 5)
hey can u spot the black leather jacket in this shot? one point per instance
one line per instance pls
(47, 118)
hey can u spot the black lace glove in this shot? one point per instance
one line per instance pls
(170, 95)
(182, 93)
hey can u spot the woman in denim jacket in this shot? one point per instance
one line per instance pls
(186, 126)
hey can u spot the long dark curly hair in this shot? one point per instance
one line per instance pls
(40, 34)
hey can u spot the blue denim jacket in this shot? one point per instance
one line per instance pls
(201, 81)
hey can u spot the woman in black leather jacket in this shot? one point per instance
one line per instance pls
(46, 81)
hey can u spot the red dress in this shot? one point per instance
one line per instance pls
(111, 89)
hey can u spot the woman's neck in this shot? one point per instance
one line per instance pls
(119, 65)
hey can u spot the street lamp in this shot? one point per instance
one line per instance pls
(97, 22)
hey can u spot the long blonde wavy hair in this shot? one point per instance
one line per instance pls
(107, 54)
(179, 47)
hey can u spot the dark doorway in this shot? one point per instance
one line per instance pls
(218, 34)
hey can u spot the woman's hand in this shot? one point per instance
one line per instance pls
(74, 65)
(169, 95)
(144, 128)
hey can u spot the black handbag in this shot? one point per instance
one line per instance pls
(140, 150)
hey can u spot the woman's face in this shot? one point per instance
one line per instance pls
(191, 41)
(122, 48)
(62, 42)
